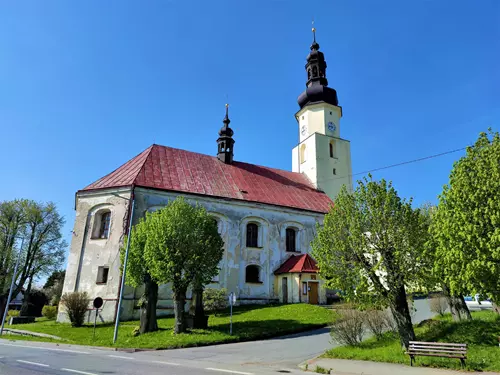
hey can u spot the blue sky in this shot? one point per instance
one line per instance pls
(86, 86)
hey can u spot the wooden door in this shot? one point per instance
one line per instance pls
(313, 293)
(284, 289)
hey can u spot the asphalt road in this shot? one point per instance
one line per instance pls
(279, 355)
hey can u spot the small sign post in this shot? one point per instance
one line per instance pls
(232, 300)
(97, 305)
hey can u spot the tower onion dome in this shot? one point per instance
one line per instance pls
(317, 90)
(225, 142)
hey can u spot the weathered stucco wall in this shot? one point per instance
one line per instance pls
(87, 254)
(232, 216)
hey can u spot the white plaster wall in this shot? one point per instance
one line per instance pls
(87, 254)
(232, 217)
(327, 181)
(318, 165)
(316, 117)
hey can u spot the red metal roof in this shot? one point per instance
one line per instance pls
(303, 263)
(166, 168)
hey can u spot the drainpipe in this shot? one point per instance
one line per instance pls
(300, 288)
(129, 225)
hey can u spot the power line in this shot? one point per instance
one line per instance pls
(398, 164)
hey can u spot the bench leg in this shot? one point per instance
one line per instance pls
(462, 362)
(411, 360)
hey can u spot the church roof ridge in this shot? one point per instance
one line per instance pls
(173, 169)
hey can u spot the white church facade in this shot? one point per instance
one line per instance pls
(266, 217)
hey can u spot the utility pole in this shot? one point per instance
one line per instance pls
(122, 285)
(11, 286)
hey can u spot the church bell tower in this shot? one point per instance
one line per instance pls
(322, 155)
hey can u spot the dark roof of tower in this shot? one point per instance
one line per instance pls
(317, 90)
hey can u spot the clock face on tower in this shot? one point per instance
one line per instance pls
(303, 130)
(331, 126)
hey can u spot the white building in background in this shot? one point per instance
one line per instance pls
(267, 217)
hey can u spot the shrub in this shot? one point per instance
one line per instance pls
(50, 312)
(76, 306)
(348, 329)
(214, 299)
(376, 322)
(136, 331)
(11, 313)
(438, 304)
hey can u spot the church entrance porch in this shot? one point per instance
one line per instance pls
(297, 281)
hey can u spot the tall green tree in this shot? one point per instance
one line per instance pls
(466, 226)
(138, 274)
(44, 247)
(38, 226)
(368, 247)
(183, 247)
(433, 279)
(54, 278)
(12, 222)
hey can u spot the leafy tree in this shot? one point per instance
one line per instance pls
(368, 247)
(55, 277)
(466, 226)
(433, 277)
(183, 247)
(39, 225)
(12, 221)
(44, 247)
(138, 274)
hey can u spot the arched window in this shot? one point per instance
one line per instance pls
(252, 274)
(315, 71)
(302, 153)
(308, 73)
(102, 222)
(332, 149)
(252, 235)
(291, 239)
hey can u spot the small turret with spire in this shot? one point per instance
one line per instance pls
(225, 142)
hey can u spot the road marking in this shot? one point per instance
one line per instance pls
(42, 348)
(33, 363)
(77, 371)
(120, 356)
(166, 363)
(230, 371)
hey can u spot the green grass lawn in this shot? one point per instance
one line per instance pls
(249, 323)
(481, 334)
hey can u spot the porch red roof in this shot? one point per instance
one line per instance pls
(167, 168)
(303, 263)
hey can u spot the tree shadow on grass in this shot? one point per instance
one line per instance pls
(265, 328)
(478, 332)
(237, 310)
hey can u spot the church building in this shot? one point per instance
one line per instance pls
(267, 217)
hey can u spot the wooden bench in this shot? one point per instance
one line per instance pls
(437, 349)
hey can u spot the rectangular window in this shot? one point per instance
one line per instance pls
(304, 288)
(102, 275)
(105, 220)
(252, 235)
(290, 239)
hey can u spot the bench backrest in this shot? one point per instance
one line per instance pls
(439, 348)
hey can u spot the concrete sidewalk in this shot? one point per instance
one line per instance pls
(354, 367)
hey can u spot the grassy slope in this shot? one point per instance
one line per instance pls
(481, 335)
(249, 322)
